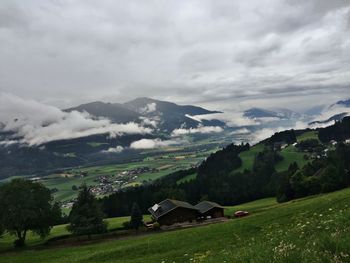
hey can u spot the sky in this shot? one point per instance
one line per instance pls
(218, 54)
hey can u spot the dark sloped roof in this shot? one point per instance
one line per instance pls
(168, 205)
(205, 206)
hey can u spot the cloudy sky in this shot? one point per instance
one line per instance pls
(290, 53)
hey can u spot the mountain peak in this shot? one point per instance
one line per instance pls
(345, 103)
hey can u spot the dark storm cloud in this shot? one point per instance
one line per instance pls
(65, 52)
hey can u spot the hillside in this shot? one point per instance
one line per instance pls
(290, 164)
(297, 231)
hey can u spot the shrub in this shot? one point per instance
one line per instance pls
(126, 225)
(156, 226)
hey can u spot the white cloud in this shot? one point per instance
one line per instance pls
(230, 118)
(200, 129)
(117, 149)
(150, 121)
(264, 133)
(150, 107)
(241, 131)
(221, 51)
(153, 143)
(331, 111)
(36, 123)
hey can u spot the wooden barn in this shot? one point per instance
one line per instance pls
(210, 210)
(170, 211)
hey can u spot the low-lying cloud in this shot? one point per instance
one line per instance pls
(241, 131)
(117, 149)
(154, 143)
(150, 107)
(200, 129)
(35, 123)
(230, 118)
(330, 112)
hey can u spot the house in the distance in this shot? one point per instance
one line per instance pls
(170, 211)
(210, 210)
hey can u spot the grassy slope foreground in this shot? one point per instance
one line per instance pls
(6, 243)
(314, 229)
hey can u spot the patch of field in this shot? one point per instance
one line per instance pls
(290, 154)
(164, 167)
(187, 178)
(64, 185)
(248, 157)
(307, 136)
(314, 229)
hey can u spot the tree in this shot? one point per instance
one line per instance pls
(86, 217)
(1, 230)
(26, 206)
(136, 219)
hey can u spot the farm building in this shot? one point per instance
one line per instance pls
(170, 211)
(210, 210)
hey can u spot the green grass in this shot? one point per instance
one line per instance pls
(6, 242)
(290, 154)
(307, 136)
(187, 178)
(252, 207)
(248, 157)
(314, 229)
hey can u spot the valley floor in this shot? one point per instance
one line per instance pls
(313, 229)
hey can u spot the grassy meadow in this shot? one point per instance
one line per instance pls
(290, 154)
(248, 157)
(313, 229)
(308, 136)
(6, 242)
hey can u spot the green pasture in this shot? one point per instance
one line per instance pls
(313, 229)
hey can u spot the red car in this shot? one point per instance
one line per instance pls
(241, 213)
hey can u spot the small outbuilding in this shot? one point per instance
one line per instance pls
(170, 211)
(210, 210)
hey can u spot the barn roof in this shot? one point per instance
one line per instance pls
(205, 206)
(168, 205)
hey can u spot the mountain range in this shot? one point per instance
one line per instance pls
(255, 113)
(161, 117)
(167, 116)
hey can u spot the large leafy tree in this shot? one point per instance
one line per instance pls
(86, 217)
(136, 219)
(27, 206)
